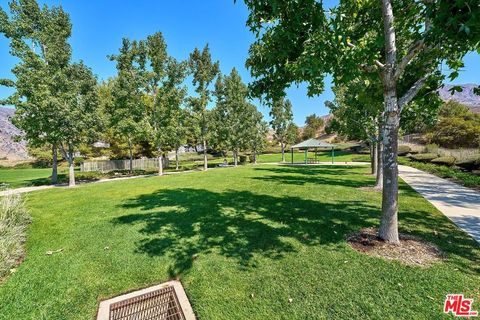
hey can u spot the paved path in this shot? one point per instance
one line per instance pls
(460, 204)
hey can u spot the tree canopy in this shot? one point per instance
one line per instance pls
(54, 98)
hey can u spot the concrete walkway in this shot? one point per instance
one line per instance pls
(459, 204)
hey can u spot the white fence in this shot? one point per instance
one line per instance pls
(112, 165)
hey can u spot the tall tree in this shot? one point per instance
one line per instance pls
(299, 41)
(257, 132)
(39, 39)
(128, 115)
(164, 79)
(177, 117)
(204, 72)
(313, 124)
(231, 113)
(79, 114)
(282, 119)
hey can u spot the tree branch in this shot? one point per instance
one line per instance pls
(365, 67)
(63, 151)
(412, 92)
(415, 48)
(413, 51)
(368, 69)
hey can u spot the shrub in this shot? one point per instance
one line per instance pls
(404, 150)
(446, 160)
(14, 219)
(243, 158)
(424, 157)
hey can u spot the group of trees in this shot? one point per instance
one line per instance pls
(147, 96)
(396, 46)
(149, 103)
(59, 103)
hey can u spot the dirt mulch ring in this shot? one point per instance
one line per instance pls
(411, 250)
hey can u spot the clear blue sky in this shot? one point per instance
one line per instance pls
(99, 26)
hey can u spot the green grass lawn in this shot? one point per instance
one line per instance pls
(16, 177)
(276, 232)
(24, 177)
(299, 156)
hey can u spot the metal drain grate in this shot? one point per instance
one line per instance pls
(163, 302)
(157, 305)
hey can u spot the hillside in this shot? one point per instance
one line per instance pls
(9, 148)
(466, 97)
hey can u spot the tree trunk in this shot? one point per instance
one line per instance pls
(235, 158)
(254, 157)
(71, 170)
(54, 164)
(389, 223)
(205, 163)
(388, 230)
(379, 173)
(130, 147)
(160, 162)
(373, 157)
(176, 159)
(283, 151)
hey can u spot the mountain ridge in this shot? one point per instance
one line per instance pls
(9, 148)
(466, 97)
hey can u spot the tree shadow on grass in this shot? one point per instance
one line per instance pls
(183, 223)
(321, 175)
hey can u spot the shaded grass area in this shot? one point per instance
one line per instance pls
(467, 179)
(26, 176)
(275, 232)
(13, 177)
